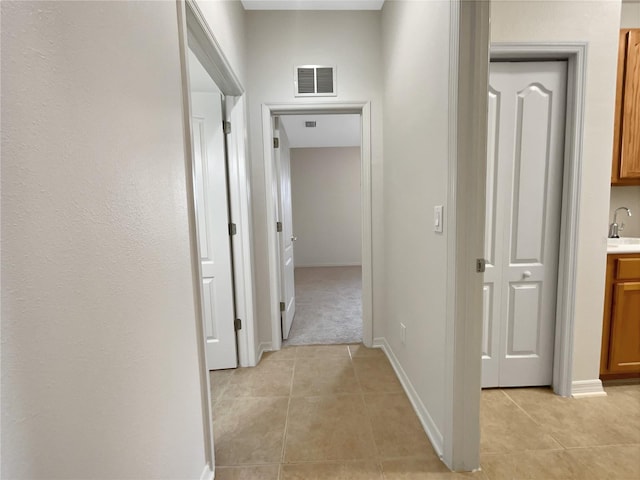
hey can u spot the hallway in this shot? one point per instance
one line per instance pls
(338, 412)
(317, 412)
(328, 306)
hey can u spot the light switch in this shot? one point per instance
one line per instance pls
(437, 218)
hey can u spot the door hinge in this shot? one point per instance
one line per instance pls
(282, 306)
(232, 229)
(278, 227)
(226, 126)
(237, 324)
(481, 264)
(276, 142)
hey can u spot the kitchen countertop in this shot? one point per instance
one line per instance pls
(623, 245)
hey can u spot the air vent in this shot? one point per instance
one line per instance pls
(315, 81)
(310, 124)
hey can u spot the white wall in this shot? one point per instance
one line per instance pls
(99, 366)
(628, 196)
(630, 14)
(325, 191)
(596, 22)
(416, 116)
(276, 42)
(226, 18)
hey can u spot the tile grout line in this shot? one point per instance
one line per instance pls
(544, 428)
(521, 408)
(368, 414)
(286, 420)
(609, 445)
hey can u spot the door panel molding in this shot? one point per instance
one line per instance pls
(529, 165)
(575, 53)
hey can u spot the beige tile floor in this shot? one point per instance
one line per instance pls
(339, 413)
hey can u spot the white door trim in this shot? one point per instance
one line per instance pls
(194, 32)
(240, 201)
(364, 110)
(575, 53)
(468, 87)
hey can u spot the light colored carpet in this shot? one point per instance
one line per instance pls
(328, 306)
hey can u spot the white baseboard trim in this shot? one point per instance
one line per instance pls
(311, 265)
(207, 473)
(423, 414)
(587, 388)
(263, 347)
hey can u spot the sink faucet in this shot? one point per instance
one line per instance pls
(614, 228)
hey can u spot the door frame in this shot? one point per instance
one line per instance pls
(195, 33)
(269, 110)
(575, 54)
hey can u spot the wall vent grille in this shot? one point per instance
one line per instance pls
(315, 81)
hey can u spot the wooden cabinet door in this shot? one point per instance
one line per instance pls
(630, 142)
(624, 353)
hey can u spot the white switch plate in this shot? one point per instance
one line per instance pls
(437, 218)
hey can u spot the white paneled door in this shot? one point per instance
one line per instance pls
(286, 236)
(213, 229)
(525, 149)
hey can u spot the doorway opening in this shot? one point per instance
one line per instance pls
(282, 121)
(211, 190)
(213, 100)
(318, 164)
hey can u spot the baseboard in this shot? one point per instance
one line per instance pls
(587, 388)
(423, 414)
(310, 265)
(263, 347)
(207, 473)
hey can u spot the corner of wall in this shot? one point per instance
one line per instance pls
(430, 427)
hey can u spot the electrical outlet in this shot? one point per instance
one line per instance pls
(403, 333)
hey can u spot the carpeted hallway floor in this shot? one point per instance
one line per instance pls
(328, 306)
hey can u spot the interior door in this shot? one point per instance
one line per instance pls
(527, 102)
(287, 238)
(212, 210)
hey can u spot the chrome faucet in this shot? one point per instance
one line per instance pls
(614, 229)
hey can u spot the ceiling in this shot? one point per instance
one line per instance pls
(312, 4)
(330, 130)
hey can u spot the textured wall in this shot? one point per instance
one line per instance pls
(99, 367)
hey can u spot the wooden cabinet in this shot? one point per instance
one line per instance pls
(626, 137)
(621, 327)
